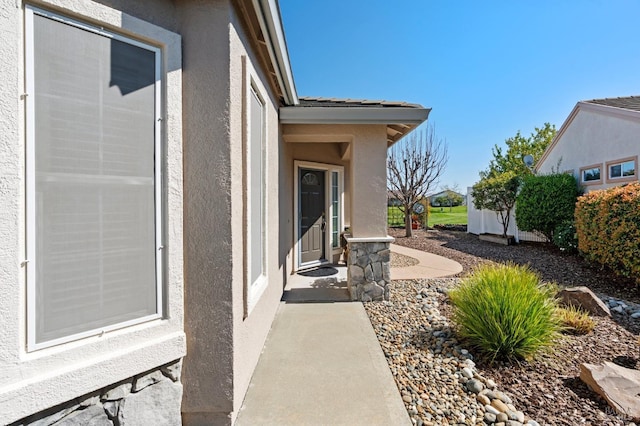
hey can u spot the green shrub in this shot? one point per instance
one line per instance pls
(565, 237)
(505, 311)
(546, 201)
(575, 320)
(608, 228)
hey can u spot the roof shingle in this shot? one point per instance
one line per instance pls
(307, 101)
(629, 102)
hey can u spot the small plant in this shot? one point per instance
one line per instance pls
(505, 311)
(574, 320)
(565, 237)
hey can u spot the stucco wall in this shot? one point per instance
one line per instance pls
(33, 381)
(593, 138)
(209, 262)
(225, 338)
(338, 144)
(251, 322)
(328, 153)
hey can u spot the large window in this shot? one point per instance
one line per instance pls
(256, 191)
(93, 180)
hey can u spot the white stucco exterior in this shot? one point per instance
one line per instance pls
(594, 136)
(36, 380)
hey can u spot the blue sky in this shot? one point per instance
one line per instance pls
(488, 69)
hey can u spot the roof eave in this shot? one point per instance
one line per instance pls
(353, 115)
(268, 13)
(399, 121)
(584, 106)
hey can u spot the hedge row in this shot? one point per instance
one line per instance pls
(608, 228)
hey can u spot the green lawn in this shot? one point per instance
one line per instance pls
(457, 216)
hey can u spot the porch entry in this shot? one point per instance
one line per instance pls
(312, 219)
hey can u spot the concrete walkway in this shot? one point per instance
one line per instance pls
(322, 363)
(430, 265)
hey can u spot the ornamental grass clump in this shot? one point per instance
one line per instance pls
(575, 320)
(506, 312)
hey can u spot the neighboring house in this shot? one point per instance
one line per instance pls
(392, 199)
(598, 143)
(433, 199)
(160, 181)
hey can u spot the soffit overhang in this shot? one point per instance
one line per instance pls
(399, 120)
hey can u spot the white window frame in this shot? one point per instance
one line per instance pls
(330, 251)
(255, 289)
(333, 213)
(587, 168)
(32, 260)
(621, 162)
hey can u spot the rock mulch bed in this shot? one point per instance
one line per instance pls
(436, 376)
(401, 261)
(428, 362)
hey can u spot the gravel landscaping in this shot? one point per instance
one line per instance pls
(441, 383)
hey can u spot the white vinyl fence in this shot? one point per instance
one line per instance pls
(486, 222)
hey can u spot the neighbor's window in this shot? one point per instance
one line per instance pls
(93, 180)
(622, 170)
(335, 210)
(591, 174)
(257, 179)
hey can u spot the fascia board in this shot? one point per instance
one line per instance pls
(268, 14)
(353, 115)
(557, 137)
(610, 110)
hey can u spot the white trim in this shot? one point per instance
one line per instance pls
(609, 110)
(268, 14)
(329, 250)
(30, 178)
(32, 345)
(338, 249)
(255, 289)
(159, 188)
(353, 115)
(386, 239)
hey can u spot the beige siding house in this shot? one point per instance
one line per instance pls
(160, 182)
(598, 143)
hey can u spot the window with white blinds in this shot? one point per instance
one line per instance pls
(256, 187)
(93, 180)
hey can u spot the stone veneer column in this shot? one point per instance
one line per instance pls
(368, 268)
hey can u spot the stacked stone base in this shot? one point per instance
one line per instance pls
(151, 398)
(368, 270)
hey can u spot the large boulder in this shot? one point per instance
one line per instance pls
(619, 386)
(582, 297)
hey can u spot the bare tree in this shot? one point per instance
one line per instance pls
(413, 167)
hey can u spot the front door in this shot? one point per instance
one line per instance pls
(312, 216)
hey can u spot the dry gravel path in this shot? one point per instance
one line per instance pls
(428, 362)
